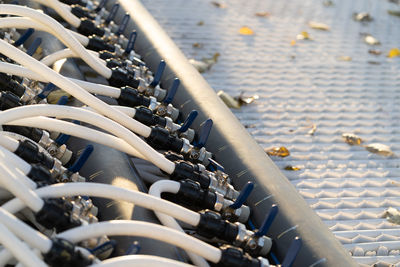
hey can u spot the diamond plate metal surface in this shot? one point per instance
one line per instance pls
(307, 84)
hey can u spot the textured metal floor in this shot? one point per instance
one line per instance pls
(305, 84)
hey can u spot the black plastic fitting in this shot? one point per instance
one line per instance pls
(146, 116)
(186, 170)
(160, 138)
(8, 84)
(73, 2)
(172, 156)
(234, 257)
(132, 98)
(40, 175)
(88, 28)
(34, 134)
(29, 151)
(107, 55)
(81, 12)
(212, 225)
(121, 78)
(9, 100)
(63, 254)
(192, 195)
(56, 213)
(97, 43)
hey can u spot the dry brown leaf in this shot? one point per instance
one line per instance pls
(200, 23)
(362, 17)
(278, 152)
(219, 5)
(313, 129)
(352, 139)
(197, 45)
(379, 149)
(394, 13)
(328, 3)
(344, 58)
(394, 52)
(303, 36)
(373, 62)
(245, 100)
(263, 14)
(318, 26)
(375, 52)
(246, 31)
(205, 64)
(292, 168)
(371, 40)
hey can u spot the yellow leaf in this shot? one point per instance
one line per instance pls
(262, 14)
(394, 52)
(246, 31)
(344, 58)
(352, 139)
(292, 168)
(303, 36)
(318, 26)
(293, 43)
(278, 152)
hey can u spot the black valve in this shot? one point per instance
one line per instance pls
(64, 254)
(81, 12)
(121, 78)
(212, 225)
(97, 43)
(234, 257)
(9, 100)
(32, 133)
(40, 175)
(29, 151)
(186, 170)
(160, 138)
(146, 116)
(132, 98)
(88, 28)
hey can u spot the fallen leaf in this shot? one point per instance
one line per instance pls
(246, 31)
(318, 26)
(362, 17)
(394, 13)
(245, 100)
(379, 149)
(352, 139)
(293, 42)
(292, 168)
(278, 152)
(303, 36)
(394, 52)
(344, 58)
(205, 64)
(263, 14)
(219, 5)
(374, 62)
(197, 45)
(328, 3)
(313, 129)
(375, 52)
(228, 100)
(371, 40)
(249, 126)
(392, 215)
(200, 23)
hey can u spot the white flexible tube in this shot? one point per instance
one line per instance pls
(15, 160)
(60, 33)
(20, 250)
(5, 256)
(172, 187)
(12, 182)
(140, 261)
(143, 229)
(90, 117)
(32, 237)
(26, 23)
(79, 131)
(8, 143)
(65, 13)
(65, 53)
(112, 192)
(93, 88)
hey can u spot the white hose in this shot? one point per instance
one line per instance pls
(65, 13)
(5, 257)
(140, 261)
(20, 250)
(79, 131)
(12, 182)
(94, 118)
(172, 187)
(32, 237)
(112, 192)
(60, 32)
(9, 143)
(65, 53)
(93, 88)
(26, 23)
(143, 229)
